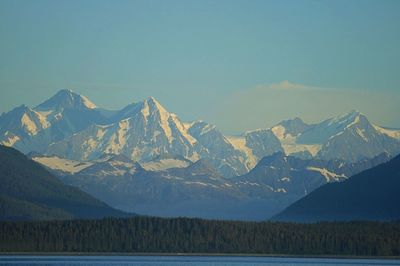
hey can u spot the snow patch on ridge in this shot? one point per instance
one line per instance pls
(65, 165)
(164, 164)
(329, 176)
(86, 102)
(279, 132)
(393, 133)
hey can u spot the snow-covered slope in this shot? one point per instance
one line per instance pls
(239, 142)
(164, 162)
(62, 165)
(145, 131)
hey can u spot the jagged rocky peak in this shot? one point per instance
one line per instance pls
(153, 104)
(263, 142)
(351, 118)
(294, 122)
(66, 99)
(17, 112)
(293, 127)
(147, 108)
(151, 108)
(353, 121)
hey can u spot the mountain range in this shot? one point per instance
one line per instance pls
(70, 126)
(144, 159)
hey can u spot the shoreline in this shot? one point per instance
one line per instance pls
(149, 254)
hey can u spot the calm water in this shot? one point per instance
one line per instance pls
(184, 261)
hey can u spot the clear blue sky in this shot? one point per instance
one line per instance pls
(199, 58)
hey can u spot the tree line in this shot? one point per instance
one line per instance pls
(184, 235)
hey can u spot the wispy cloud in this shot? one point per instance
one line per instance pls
(285, 86)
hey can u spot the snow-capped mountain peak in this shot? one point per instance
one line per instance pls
(66, 99)
(152, 109)
(350, 137)
(140, 131)
(33, 129)
(23, 120)
(151, 101)
(333, 127)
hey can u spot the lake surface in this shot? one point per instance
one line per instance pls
(185, 261)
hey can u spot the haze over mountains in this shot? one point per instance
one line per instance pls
(198, 189)
(144, 159)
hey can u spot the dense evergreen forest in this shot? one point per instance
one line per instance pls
(148, 234)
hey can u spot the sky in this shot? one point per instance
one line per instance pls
(240, 65)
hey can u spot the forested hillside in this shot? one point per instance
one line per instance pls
(29, 192)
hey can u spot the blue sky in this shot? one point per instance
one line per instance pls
(211, 60)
